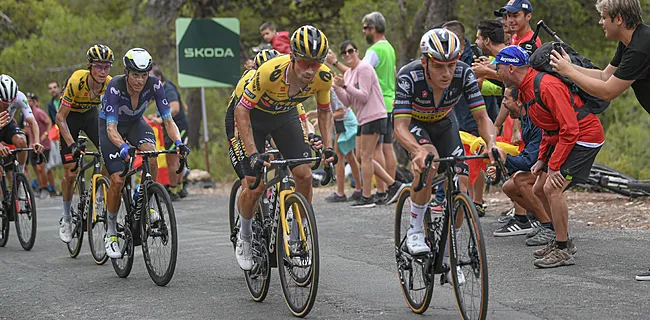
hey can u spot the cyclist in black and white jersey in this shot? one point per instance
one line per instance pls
(425, 94)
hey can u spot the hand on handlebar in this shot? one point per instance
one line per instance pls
(330, 156)
(77, 150)
(38, 148)
(259, 160)
(315, 141)
(124, 151)
(4, 150)
(182, 149)
(418, 161)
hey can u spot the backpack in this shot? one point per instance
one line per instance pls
(540, 59)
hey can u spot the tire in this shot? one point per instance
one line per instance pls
(233, 213)
(472, 258)
(410, 269)
(4, 227)
(258, 279)
(294, 278)
(124, 265)
(77, 208)
(24, 211)
(161, 231)
(96, 221)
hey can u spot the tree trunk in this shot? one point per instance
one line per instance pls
(194, 117)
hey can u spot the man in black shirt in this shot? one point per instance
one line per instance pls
(176, 186)
(622, 21)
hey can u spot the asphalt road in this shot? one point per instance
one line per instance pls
(358, 274)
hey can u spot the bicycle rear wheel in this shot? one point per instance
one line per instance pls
(467, 251)
(76, 211)
(24, 211)
(96, 221)
(299, 267)
(4, 226)
(159, 238)
(124, 265)
(259, 277)
(417, 285)
(233, 212)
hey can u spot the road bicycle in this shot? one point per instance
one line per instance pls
(88, 208)
(284, 231)
(149, 221)
(18, 202)
(466, 247)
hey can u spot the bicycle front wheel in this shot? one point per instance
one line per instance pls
(297, 254)
(124, 265)
(96, 220)
(159, 238)
(233, 212)
(259, 277)
(416, 283)
(468, 259)
(24, 211)
(77, 208)
(4, 226)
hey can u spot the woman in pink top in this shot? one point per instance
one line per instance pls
(359, 88)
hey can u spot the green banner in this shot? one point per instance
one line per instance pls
(207, 52)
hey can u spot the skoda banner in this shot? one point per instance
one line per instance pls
(207, 52)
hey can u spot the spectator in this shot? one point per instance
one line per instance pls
(519, 13)
(359, 88)
(55, 103)
(54, 159)
(249, 64)
(177, 188)
(503, 20)
(345, 130)
(44, 124)
(520, 187)
(279, 40)
(568, 149)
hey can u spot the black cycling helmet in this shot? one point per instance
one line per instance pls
(138, 60)
(100, 53)
(309, 43)
(263, 56)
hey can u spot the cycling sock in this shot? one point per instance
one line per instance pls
(67, 217)
(417, 218)
(548, 225)
(246, 229)
(112, 224)
(521, 218)
(561, 244)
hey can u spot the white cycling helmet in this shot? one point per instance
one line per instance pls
(440, 45)
(8, 88)
(138, 60)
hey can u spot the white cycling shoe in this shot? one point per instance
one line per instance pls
(65, 231)
(244, 253)
(461, 276)
(112, 247)
(416, 244)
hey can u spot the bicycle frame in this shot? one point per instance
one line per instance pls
(10, 163)
(81, 177)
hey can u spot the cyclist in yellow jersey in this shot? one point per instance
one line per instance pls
(268, 106)
(79, 111)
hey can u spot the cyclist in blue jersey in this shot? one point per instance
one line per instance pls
(120, 120)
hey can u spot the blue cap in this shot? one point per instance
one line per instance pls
(517, 5)
(512, 55)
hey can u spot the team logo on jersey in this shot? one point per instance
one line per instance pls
(114, 155)
(157, 85)
(325, 76)
(470, 78)
(404, 83)
(417, 75)
(425, 94)
(114, 91)
(275, 75)
(81, 84)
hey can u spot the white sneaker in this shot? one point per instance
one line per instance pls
(112, 247)
(461, 276)
(65, 231)
(243, 253)
(416, 244)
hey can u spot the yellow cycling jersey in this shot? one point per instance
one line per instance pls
(246, 77)
(268, 90)
(77, 95)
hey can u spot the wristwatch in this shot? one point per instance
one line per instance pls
(335, 63)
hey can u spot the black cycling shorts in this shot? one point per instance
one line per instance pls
(577, 166)
(171, 145)
(373, 127)
(77, 121)
(339, 126)
(9, 131)
(444, 136)
(387, 137)
(136, 132)
(236, 150)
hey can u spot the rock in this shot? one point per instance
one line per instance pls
(198, 175)
(590, 223)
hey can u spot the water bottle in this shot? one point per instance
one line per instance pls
(436, 226)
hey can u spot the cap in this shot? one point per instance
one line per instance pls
(31, 96)
(514, 6)
(512, 55)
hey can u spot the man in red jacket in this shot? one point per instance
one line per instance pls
(278, 40)
(568, 149)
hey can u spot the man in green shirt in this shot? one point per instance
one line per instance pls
(381, 56)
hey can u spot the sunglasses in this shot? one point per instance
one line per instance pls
(5, 101)
(349, 51)
(102, 67)
(308, 64)
(367, 27)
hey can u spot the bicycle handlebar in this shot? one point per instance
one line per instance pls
(290, 162)
(151, 154)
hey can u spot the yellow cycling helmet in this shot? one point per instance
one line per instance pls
(100, 53)
(263, 56)
(309, 43)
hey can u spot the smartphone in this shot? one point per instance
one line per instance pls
(475, 50)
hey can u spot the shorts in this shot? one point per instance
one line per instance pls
(136, 132)
(577, 166)
(373, 127)
(33, 157)
(77, 121)
(171, 145)
(285, 129)
(444, 136)
(9, 131)
(339, 126)
(387, 137)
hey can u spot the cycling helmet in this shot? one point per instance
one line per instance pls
(440, 45)
(265, 55)
(100, 53)
(138, 60)
(310, 43)
(8, 88)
